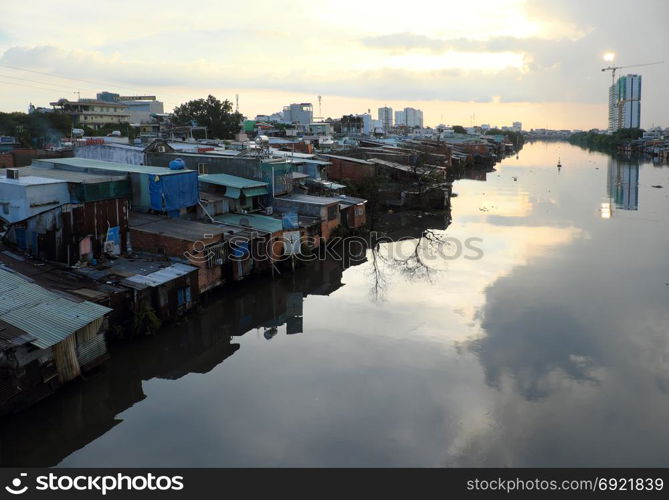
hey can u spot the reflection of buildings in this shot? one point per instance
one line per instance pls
(48, 432)
(622, 184)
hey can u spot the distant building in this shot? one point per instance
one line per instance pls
(517, 126)
(302, 113)
(93, 113)
(625, 103)
(413, 117)
(400, 118)
(367, 123)
(139, 107)
(386, 118)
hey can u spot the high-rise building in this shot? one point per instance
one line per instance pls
(413, 117)
(625, 103)
(299, 113)
(517, 126)
(386, 118)
(400, 118)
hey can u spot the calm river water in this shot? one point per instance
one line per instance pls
(545, 342)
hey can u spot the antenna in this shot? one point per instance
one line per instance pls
(320, 111)
(237, 103)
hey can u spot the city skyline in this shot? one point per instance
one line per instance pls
(530, 61)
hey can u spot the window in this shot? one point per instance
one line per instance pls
(202, 168)
(358, 211)
(332, 212)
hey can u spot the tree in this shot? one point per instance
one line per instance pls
(212, 113)
(459, 129)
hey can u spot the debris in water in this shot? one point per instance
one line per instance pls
(657, 186)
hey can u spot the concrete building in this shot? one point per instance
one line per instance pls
(517, 126)
(625, 103)
(367, 123)
(400, 118)
(93, 113)
(302, 113)
(413, 117)
(386, 118)
(139, 107)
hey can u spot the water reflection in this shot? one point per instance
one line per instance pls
(549, 350)
(85, 410)
(622, 183)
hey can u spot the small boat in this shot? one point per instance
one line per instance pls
(559, 165)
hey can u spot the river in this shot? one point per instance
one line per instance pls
(531, 331)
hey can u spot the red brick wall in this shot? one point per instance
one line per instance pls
(6, 160)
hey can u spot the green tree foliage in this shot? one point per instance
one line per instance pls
(212, 113)
(605, 142)
(459, 129)
(125, 128)
(515, 138)
(36, 130)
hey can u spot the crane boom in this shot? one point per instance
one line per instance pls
(613, 69)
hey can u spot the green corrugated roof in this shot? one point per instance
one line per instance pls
(46, 315)
(259, 222)
(231, 181)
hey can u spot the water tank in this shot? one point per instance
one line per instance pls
(177, 164)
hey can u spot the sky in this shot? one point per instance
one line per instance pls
(484, 62)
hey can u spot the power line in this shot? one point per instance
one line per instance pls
(71, 78)
(16, 84)
(54, 86)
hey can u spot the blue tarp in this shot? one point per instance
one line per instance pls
(173, 192)
(240, 249)
(290, 220)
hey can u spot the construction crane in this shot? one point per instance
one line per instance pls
(613, 69)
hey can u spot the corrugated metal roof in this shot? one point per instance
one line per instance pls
(162, 276)
(109, 166)
(252, 221)
(306, 198)
(231, 181)
(47, 316)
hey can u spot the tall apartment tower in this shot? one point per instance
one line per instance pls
(625, 103)
(386, 118)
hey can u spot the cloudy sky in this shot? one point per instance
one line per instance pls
(537, 61)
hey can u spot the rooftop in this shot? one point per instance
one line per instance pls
(68, 175)
(262, 223)
(231, 181)
(350, 200)
(30, 180)
(346, 158)
(108, 166)
(175, 228)
(309, 199)
(159, 277)
(45, 315)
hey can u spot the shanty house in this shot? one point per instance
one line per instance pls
(46, 339)
(325, 209)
